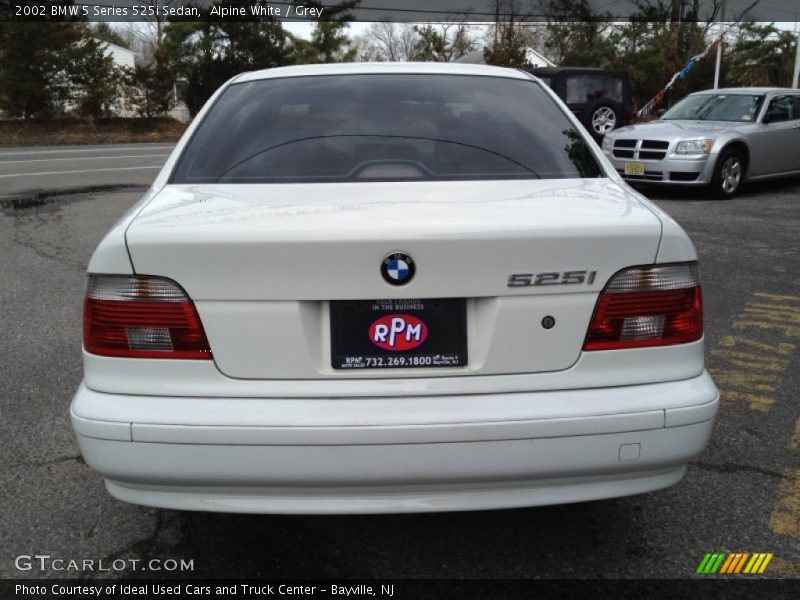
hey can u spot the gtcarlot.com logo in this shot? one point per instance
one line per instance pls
(734, 563)
(46, 562)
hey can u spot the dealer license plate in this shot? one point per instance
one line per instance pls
(392, 334)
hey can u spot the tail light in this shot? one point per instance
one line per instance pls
(141, 317)
(648, 306)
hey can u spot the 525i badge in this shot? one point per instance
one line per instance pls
(551, 278)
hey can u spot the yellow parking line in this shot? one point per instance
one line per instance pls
(794, 443)
(732, 341)
(779, 297)
(752, 361)
(785, 517)
(785, 567)
(779, 308)
(757, 402)
(781, 326)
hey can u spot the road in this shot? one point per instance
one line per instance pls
(26, 171)
(742, 494)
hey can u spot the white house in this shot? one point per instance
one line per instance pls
(534, 58)
(123, 57)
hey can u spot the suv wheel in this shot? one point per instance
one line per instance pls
(728, 174)
(601, 117)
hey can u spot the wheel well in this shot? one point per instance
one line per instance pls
(741, 147)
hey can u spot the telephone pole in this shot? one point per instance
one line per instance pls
(718, 65)
(676, 15)
(796, 72)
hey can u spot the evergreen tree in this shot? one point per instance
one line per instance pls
(34, 58)
(329, 42)
(508, 37)
(208, 52)
(94, 81)
(577, 36)
(151, 87)
(103, 31)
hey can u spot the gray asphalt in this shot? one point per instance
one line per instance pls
(30, 170)
(742, 494)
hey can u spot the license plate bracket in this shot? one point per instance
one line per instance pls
(392, 334)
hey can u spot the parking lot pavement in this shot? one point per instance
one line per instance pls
(742, 494)
(27, 170)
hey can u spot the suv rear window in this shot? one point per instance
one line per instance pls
(581, 88)
(384, 127)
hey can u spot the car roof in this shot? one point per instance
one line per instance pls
(747, 90)
(404, 68)
(576, 70)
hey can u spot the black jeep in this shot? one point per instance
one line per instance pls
(600, 98)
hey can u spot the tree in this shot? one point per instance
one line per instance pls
(33, 62)
(650, 48)
(762, 55)
(151, 88)
(103, 31)
(445, 43)
(94, 80)
(329, 43)
(577, 36)
(207, 53)
(508, 35)
(386, 41)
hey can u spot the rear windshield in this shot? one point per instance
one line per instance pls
(384, 127)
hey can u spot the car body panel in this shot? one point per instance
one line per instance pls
(402, 455)
(237, 253)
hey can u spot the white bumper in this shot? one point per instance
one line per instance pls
(400, 454)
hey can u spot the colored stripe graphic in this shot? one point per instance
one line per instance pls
(734, 563)
(711, 563)
(740, 564)
(729, 562)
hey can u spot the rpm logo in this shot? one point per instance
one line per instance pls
(398, 332)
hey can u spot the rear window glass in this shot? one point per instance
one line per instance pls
(582, 88)
(384, 127)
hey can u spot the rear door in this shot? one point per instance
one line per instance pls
(781, 134)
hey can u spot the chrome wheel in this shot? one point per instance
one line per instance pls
(731, 174)
(604, 120)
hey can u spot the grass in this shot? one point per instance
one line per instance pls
(60, 132)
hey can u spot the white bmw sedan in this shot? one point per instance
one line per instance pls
(376, 288)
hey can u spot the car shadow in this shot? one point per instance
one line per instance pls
(512, 543)
(788, 185)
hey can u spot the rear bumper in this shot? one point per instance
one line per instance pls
(393, 454)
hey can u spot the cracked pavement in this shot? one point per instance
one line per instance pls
(736, 497)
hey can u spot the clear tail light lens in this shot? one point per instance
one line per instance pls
(141, 317)
(648, 306)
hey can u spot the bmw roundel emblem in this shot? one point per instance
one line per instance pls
(398, 268)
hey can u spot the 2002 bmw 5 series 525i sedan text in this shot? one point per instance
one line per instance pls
(387, 288)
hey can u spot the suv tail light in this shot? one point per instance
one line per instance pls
(141, 317)
(648, 306)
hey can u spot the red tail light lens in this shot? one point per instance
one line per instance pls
(648, 306)
(141, 317)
